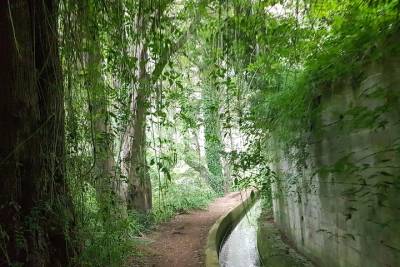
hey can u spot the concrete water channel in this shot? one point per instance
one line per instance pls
(239, 248)
(247, 237)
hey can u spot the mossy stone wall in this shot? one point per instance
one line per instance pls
(342, 207)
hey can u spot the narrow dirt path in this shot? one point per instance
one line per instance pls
(180, 242)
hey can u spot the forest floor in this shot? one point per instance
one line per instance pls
(181, 241)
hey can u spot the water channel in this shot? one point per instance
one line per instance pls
(240, 248)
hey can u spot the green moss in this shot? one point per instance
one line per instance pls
(272, 250)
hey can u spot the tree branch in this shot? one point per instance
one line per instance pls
(182, 39)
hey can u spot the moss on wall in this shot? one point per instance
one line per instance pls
(342, 205)
(273, 251)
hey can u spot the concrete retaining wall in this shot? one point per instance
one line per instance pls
(342, 208)
(222, 227)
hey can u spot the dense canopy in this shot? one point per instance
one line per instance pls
(119, 114)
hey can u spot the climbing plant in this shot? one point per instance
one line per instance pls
(167, 104)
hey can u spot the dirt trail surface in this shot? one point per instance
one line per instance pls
(181, 241)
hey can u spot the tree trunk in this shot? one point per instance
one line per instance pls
(135, 189)
(227, 175)
(139, 184)
(195, 162)
(35, 207)
(134, 165)
(139, 195)
(104, 164)
(213, 142)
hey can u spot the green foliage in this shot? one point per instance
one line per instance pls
(181, 198)
(251, 170)
(212, 136)
(283, 61)
(348, 35)
(244, 78)
(104, 239)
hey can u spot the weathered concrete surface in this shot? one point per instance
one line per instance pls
(273, 251)
(342, 208)
(223, 226)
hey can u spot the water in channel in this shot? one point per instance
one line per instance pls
(240, 247)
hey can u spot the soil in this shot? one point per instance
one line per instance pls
(181, 241)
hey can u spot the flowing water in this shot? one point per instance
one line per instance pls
(240, 247)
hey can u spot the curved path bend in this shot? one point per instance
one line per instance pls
(181, 241)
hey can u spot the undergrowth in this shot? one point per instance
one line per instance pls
(361, 35)
(111, 241)
(180, 198)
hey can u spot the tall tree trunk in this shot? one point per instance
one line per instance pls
(35, 206)
(139, 195)
(227, 175)
(134, 165)
(139, 184)
(104, 164)
(213, 142)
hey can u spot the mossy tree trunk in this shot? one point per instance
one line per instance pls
(104, 179)
(35, 206)
(139, 195)
(134, 164)
(213, 143)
